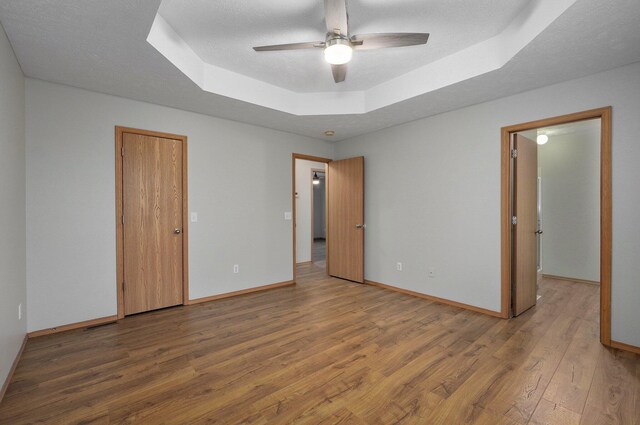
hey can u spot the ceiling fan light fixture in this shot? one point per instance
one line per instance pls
(338, 44)
(338, 51)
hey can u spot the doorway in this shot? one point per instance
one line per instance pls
(544, 202)
(304, 204)
(151, 225)
(319, 218)
(344, 228)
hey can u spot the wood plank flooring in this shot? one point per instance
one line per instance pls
(329, 351)
(319, 257)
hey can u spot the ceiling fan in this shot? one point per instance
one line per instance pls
(339, 45)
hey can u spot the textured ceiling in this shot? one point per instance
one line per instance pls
(223, 33)
(101, 45)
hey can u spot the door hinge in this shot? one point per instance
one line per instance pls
(122, 151)
(514, 153)
(514, 220)
(122, 218)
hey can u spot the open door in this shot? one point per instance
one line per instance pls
(525, 211)
(345, 218)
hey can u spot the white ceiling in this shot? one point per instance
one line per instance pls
(223, 33)
(476, 58)
(101, 45)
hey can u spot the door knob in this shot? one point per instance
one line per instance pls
(361, 226)
(177, 231)
(538, 232)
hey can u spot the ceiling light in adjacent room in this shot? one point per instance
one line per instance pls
(338, 51)
(542, 139)
(329, 133)
(316, 179)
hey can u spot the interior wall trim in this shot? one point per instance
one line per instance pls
(71, 326)
(625, 347)
(570, 279)
(242, 292)
(14, 365)
(435, 299)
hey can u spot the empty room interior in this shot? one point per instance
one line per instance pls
(320, 212)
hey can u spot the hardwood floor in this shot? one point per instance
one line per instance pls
(320, 253)
(329, 351)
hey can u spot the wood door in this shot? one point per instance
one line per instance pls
(152, 222)
(525, 202)
(345, 210)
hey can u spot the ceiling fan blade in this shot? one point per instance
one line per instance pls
(291, 46)
(335, 16)
(391, 39)
(339, 72)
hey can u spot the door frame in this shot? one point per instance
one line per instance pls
(313, 213)
(605, 208)
(119, 210)
(295, 156)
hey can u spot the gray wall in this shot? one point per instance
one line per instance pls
(239, 184)
(12, 207)
(569, 165)
(433, 193)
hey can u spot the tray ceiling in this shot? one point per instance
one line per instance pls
(102, 46)
(202, 41)
(223, 32)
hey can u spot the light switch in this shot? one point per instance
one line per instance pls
(287, 215)
(194, 217)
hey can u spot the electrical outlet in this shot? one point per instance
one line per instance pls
(236, 268)
(432, 272)
(20, 311)
(194, 217)
(399, 267)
